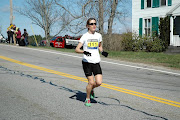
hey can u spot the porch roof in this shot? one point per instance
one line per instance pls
(174, 11)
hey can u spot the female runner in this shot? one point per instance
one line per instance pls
(91, 42)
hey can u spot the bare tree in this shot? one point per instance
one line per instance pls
(101, 17)
(42, 13)
(76, 15)
(112, 15)
(84, 10)
(102, 10)
(105, 11)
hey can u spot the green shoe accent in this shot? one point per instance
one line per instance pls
(92, 95)
(87, 103)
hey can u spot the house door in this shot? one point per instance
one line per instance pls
(176, 36)
(177, 25)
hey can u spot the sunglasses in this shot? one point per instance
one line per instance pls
(92, 23)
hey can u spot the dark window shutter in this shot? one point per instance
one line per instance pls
(140, 26)
(142, 4)
(155, 25)
(155, 3)
(169, 2)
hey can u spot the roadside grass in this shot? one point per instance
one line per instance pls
(158, 59)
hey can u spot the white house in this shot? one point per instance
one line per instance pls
(147, 13)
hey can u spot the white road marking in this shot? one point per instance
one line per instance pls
(150, 69)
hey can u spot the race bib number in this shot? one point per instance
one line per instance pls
(92, 44)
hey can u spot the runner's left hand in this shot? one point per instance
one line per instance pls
(105, 54)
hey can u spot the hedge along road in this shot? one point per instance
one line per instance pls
(114, 75)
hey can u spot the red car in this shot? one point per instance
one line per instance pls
(64, 42)
(58, 42)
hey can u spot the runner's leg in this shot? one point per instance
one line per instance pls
(90, 85)
(98, 81)
(98, 74)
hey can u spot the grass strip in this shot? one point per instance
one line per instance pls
(157, 59)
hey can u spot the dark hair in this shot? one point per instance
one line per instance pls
(24, 29)
(88, 21)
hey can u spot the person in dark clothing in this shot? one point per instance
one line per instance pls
(21, 42)
(10, 34)
(25, 34)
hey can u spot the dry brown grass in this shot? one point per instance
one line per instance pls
(113, 43)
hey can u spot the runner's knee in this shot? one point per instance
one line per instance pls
(98, 83)
(98, 79)
(91, 83)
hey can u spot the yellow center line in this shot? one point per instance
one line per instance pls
(142, 95)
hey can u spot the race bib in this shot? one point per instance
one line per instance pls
(92, 44)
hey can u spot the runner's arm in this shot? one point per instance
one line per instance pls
(78, 48)
(100, 47)
(105, 54)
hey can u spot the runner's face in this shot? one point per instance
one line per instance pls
(92, 26)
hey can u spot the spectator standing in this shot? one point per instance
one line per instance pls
(10, 34)
(18, 36)
(25, 34)
(14, 33)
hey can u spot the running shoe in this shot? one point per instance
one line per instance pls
(87, 103)
(92, 95)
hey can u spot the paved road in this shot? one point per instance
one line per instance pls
(37, 84)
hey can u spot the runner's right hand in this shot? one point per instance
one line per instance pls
(87, 53)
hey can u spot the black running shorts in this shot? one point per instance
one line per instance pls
(90, 68)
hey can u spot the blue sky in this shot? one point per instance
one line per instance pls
(20, 21)
(23, 22)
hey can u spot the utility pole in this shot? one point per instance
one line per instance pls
(11, 12)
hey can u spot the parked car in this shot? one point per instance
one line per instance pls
(64, 42)
(58, 42)
(2, 39)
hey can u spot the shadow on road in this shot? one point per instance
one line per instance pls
(78, 95)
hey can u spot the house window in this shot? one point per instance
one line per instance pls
(163, 2)
(155, 3)
(147, 27)
(148, 3)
